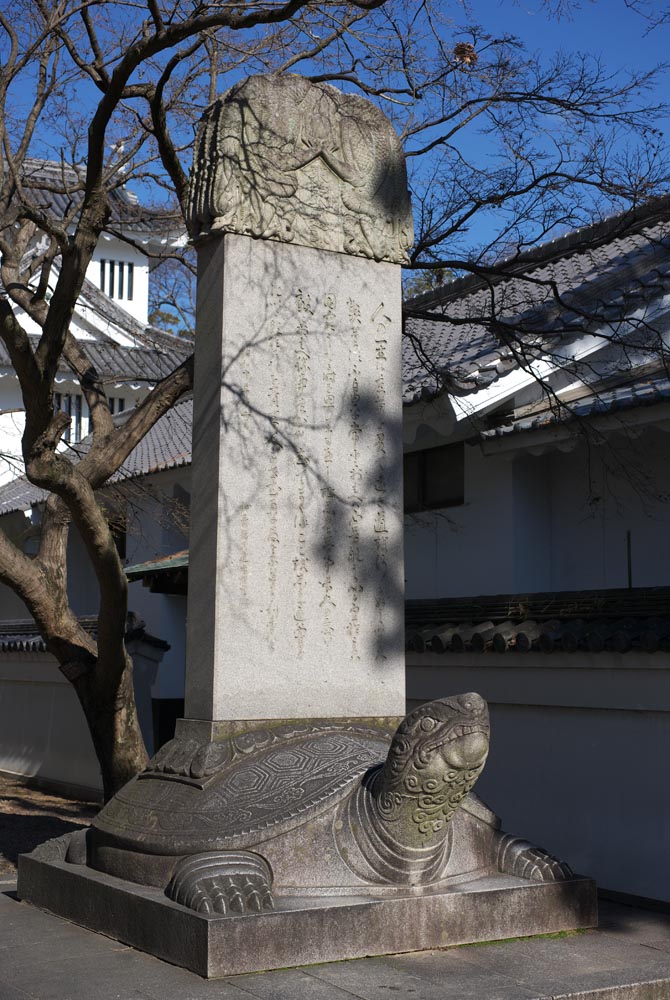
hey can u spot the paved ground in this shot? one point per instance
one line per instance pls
(45, 958)
(28, 817)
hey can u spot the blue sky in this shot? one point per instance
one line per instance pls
(606, 28)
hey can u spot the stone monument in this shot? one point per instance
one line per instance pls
(300, 207)
(297, 817)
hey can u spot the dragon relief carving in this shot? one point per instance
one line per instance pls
(280, 158)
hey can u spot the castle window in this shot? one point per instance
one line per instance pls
(71, 403)
(75, 411)
(117, 279)
(434, 478)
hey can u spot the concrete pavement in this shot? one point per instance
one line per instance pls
(627, 958)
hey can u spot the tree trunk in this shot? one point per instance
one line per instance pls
(112, 720)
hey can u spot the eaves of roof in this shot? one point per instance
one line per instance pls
(624, 225)
(166, 446)
(114, 363)
(21, 635)
(646, 392)
(163, 564)
(461, 338)
(95, 299)
(619, 621)
(58, 188)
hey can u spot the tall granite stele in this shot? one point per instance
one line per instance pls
(297, 817)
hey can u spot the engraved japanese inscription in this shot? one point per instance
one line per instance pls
(280, 158)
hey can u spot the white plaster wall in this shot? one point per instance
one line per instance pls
(467, 549)
(11, 606)
(597, 495)
(110, 248)
(557, 521)
(153, 531)
(12, 416)
(83, 589)
(531, 527)
(165, 617)
(12, 421)
(43, 731)
(17, 526)
(578, 750)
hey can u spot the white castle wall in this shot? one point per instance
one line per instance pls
(578, 745)
(558, 521)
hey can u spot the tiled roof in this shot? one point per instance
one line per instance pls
(572, 621)
(154, 354)
(57, 187)
(613, 271)
(606, 271)
(166, 446)
(118, 364)
(19, 494)
(163, 564)
(164, 575)
(644, 392)
(21, 635)
(148, 336)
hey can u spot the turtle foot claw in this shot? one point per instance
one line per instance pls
(222, 882)
(518, 857)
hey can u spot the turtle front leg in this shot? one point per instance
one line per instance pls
(222, 882)
(519, 857)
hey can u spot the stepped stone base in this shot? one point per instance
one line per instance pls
(305, 931)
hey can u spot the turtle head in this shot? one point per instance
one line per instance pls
(440, 737)
(435, 758)
(462, 725)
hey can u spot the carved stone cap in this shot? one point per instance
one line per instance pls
(280, 158)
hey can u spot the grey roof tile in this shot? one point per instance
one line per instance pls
(118, 364)
(58, 188)
(22, 634)
(149, 336)
(462, 347)
(572, 621)
(166, 446)
(19, 494)
(620, 273)
(643, 392)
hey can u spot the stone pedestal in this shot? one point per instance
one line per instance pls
(304, 931)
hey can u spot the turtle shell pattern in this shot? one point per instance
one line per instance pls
(241, 791)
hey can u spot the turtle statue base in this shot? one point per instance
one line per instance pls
(308, 841)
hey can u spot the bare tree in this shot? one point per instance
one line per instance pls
(143, 72)
(655, 13)
(172, 293)
(137, 70)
